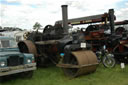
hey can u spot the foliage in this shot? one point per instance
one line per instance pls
(11, 28)
(37, 26)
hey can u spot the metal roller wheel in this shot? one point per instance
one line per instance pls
(70, 59)
(80, 62)
(27, 46)
(120, 30)
(48, 29)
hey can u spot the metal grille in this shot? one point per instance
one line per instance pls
(14, 61)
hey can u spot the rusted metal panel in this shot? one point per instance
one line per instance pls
(65, 17)
(74, 66)
(85, 57)
(121, 22)
(31, 48)
(87, 19)
(47, 42)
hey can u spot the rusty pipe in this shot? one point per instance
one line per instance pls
(65, 18)
(111, 19)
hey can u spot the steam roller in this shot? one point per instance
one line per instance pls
(47, 46)
(79, 62)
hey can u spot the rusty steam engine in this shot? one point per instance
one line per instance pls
(115, 40)
(56, 44)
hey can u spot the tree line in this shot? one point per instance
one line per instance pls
(36, 27)
(11, 28)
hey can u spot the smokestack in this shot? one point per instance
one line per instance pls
(111, 19)
(65, 17)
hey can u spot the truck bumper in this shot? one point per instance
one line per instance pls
(17, 69)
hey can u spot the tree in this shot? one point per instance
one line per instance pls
(37, 26)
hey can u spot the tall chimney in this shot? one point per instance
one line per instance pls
(65, 17)
(111, 19)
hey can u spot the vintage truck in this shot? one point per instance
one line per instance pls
(12, 61)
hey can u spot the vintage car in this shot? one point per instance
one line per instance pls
(12, 61)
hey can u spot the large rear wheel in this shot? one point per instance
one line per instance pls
(1, 79)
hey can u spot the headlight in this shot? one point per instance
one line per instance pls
(2, 63)
(33, 57)
(110, 55)
(29, 60)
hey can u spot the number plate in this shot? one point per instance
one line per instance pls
(122, 65)
(83, 45)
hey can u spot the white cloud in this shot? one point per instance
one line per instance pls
(126, 4)
(36, 2)
(49, 11)
(0, 15)
(122, 14)
(27, 2)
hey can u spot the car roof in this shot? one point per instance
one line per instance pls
(4, 37)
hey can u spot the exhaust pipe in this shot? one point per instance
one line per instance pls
(111, 19)
(65, 18)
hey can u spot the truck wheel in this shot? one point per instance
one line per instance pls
(28, 74)
(109, 62)
(1, 79)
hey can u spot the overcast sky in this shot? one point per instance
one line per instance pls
(24, 13)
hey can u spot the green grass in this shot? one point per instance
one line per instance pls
(55, 76)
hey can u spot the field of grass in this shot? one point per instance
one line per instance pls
(55, 76)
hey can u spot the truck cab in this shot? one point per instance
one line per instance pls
(12, 61)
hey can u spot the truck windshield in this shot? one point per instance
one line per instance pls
(7, 43)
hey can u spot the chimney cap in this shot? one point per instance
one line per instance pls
(64, 5)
